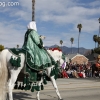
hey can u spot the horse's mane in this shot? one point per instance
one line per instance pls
(56, 53)
(53, 49)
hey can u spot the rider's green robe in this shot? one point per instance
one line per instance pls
(40, 57)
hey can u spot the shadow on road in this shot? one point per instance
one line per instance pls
(22, 96)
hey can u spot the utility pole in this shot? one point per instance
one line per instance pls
(99, 31)
(99, 27)
(33, 10)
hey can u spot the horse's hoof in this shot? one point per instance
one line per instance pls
(60, 99)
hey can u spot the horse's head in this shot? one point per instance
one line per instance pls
(57, 55)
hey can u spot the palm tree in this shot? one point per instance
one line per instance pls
(79, 26)
(33, 10)
(71, 39)
(98, 40)
(61, 42)
(95, 39)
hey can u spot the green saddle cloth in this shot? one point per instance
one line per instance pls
(29, 67)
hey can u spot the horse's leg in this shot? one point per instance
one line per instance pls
(10, 88)
(54, 83)
(38, 93)
(11, 83)
(55, 86)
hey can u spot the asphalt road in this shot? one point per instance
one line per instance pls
(70, 89)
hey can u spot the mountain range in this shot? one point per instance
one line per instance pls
(69, 50)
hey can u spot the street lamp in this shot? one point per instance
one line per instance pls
(99, 27)
(99, 31)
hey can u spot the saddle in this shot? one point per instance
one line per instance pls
(31, 72)
(29, 69)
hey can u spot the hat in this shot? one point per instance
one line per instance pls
(32, 25)
(99, 56)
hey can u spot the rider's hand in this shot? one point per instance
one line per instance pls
(40, 46)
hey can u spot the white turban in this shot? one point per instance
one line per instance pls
(32, 25)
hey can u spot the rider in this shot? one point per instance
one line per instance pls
(32, 43)
(98, 62)
(96, 67)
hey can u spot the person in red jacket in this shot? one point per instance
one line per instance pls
(96, 68)
(64, 73)
(98, 62)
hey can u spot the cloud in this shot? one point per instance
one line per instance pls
(48, 41)
(9, 36)
(69, 12)
(95, 3)
(60, 13)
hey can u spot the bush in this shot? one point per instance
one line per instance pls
(1, 47)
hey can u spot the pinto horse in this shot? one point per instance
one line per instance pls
(6, 69)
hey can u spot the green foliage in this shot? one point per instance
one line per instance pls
(72, 39)
(95, 38)
(1, 47)
(97, 50)
(79, 26)
(98, 40)
(61, 42)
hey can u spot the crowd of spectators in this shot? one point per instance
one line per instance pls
(76, 71)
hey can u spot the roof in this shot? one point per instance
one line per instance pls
(71, 56)
(92, 57)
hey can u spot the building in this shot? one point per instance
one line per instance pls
(76, 59)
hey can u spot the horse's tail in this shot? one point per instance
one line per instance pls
(3, 75)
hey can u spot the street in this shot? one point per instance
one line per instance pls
(70, 89)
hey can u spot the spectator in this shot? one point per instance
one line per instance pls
(69, 72)
(64, 74)
(75, 74)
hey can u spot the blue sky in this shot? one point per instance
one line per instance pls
(55, 19)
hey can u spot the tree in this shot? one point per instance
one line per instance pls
(71, 39)
(61, 42)
(98, 40)
(33, 10)
(1, 47)
(97, 50)
(95, 39)
(79, 26)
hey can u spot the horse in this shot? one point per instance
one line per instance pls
(9, 74)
